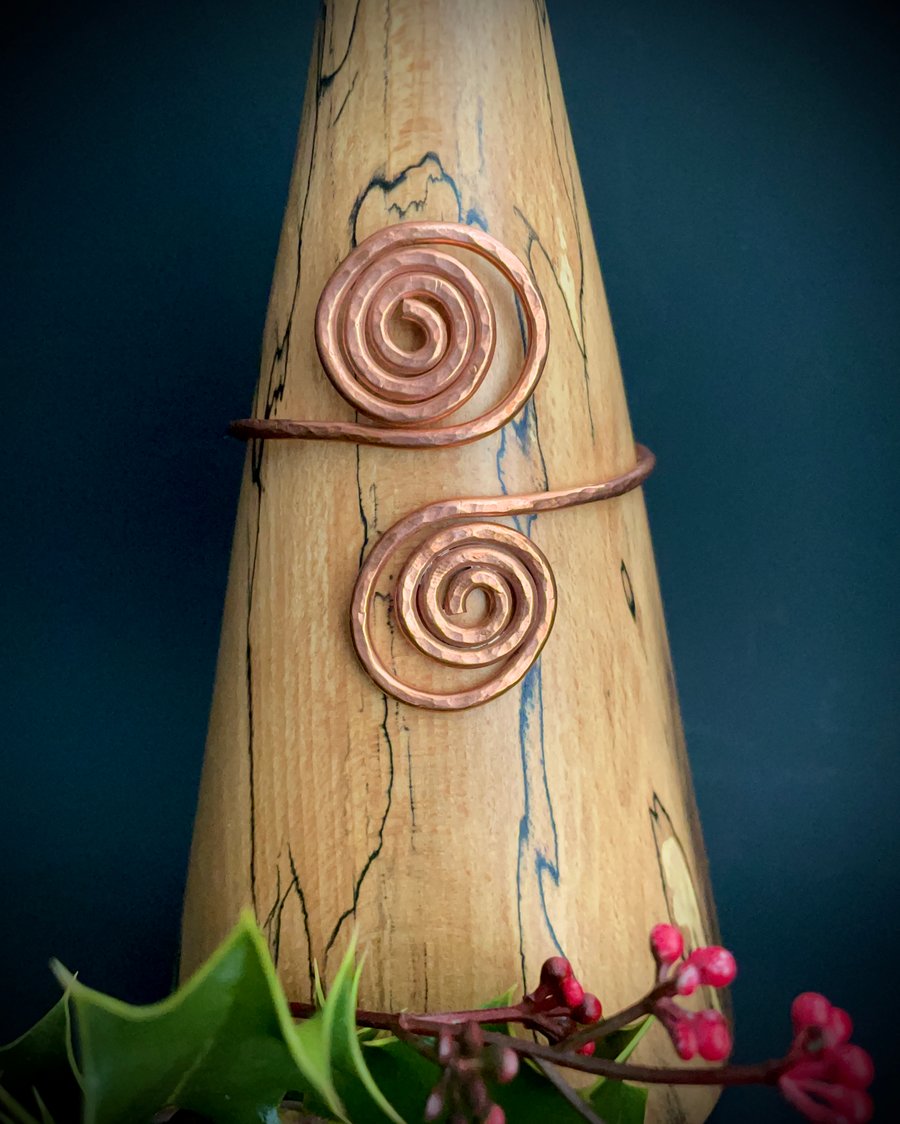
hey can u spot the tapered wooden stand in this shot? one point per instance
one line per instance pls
(468, 846)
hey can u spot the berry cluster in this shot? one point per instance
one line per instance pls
(692, 1032)
(826, 1077)
(823, 1074)
(462, 1094)
(562, 1002)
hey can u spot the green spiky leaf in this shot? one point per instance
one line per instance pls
(35, 1071)
(361, 1095)
(224, 1045)
(617, 1102)
(620, 1045)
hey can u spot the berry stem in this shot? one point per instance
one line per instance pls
(404, 1025)
(615, 1022)
(765, 1073)
(427, 1023)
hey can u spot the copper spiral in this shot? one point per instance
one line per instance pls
(459, 555)
(402, 274)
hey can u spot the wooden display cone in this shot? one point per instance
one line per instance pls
(466, 846)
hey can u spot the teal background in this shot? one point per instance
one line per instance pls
(741, 169)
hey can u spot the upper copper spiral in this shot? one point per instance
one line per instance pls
(427, 288)
(400, 275)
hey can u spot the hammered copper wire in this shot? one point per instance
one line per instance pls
(459, 555)
(400, 273)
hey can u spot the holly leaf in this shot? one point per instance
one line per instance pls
(503, 1000)
(224, 1045)
(404, 1075)
(357, 1088)
(619, 1103)
(530, 1096)
(36, 1075)
(616, 1101)
(620, 1045)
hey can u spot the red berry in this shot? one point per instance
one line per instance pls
(571, 992)
(666, 943)
(853, 1066)
(588, 1010)
(434, 1106)
(446, 1047)
(587, 1049)
(687, 979)
(505, 1064)
(810, 1069)
(860, 1106)
(713, 1036)
(853, 1105)
(684, 1037)
(495, 1116)
(554, 970)
(717, 965)
(838, 1027)
(809, 1010)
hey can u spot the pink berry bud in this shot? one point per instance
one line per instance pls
(666, 943)
(571, 992)
(860, 1106)
(850, 1105)
(687, 979)
(446, 1047)
(505, 1064)
(838, 1027)
(809, 1010)
(588, 1010)
(434, 1106)
(853, 1066)
(810, 1069)
(713, 1036)
(684, 1037)
(495, 1116)
(717, 965)
(587, 1049)
(554, 970)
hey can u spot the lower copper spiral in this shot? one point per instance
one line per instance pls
(459, 555)
(404, 276)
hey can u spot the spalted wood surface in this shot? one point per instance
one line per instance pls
(465, 846)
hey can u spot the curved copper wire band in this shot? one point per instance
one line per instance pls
(460, 555)
(400, 272)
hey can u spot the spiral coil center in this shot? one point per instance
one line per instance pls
(435, 584)
(448, 305)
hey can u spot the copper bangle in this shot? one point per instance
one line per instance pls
(458, 556)
(401, 273)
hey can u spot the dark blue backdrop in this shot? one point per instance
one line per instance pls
(741, 170)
